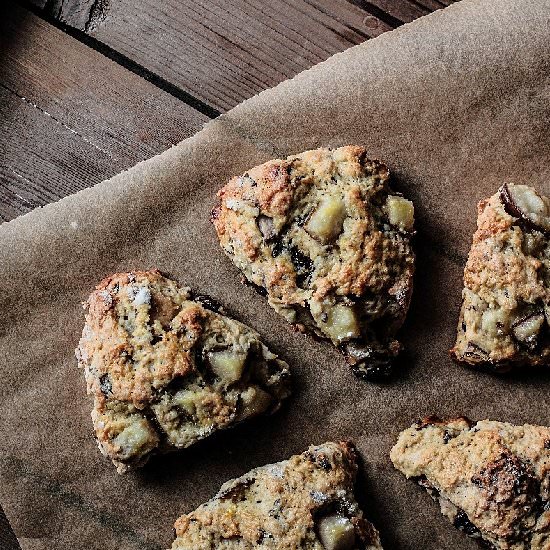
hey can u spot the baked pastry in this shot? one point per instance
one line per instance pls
(491, 479)
(166, 369)
(304, 502)
(506, 297)
(324, 237)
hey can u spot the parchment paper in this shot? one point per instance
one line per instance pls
(455, 103)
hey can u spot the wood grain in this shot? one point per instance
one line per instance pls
(70, 117)
(224, 52)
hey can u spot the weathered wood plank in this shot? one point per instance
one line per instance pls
(405, 10)
(224, 52)
(446, 3)
(70, 117)
(80, 13)
(43, 160)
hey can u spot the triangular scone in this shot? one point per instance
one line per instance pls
(325, 238)
(491, 479)
(505, 316)
(166, 369)
(304, 502)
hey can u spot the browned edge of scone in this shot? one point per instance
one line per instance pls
(138, 395)
(461, 521)
(374, 350)
(529, 351)
(491, 482)
(314, 502)
(480, 362)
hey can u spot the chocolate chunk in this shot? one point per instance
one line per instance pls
(236, 492)
(263, 535)
(422, 481)
(259, 289)
(474, 351)
(507, 477)
(369, 363)
(303, 266)
(215, 213)
(320, 460)
(524, 203)
(105, 385)
(373, 372)
(462, 522)
(156, 339)
(278, 248)
(208, 302)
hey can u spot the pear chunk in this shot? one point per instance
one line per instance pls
(342, 323)
(526, 330)
(255, 401)
(326, 222)
(336, 533)
(400, 212)
(494, 322)
(227, 364)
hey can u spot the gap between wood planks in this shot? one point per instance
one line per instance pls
(70, 118)
(235, 49)
(51, 13)
(213, 54)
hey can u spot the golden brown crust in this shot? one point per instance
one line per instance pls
(506, 285)
(165, 371)
(315, 232)
(281, 506)
(492, 479)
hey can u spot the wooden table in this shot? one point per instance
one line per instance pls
(90, 87)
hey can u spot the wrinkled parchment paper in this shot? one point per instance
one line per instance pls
(455, 103)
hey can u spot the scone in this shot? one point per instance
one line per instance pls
(491, 479)
(166, 369)
(304, 502)
(325, 238)
(506, 297)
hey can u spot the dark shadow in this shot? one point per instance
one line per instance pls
(374, 508)
(227, 454)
